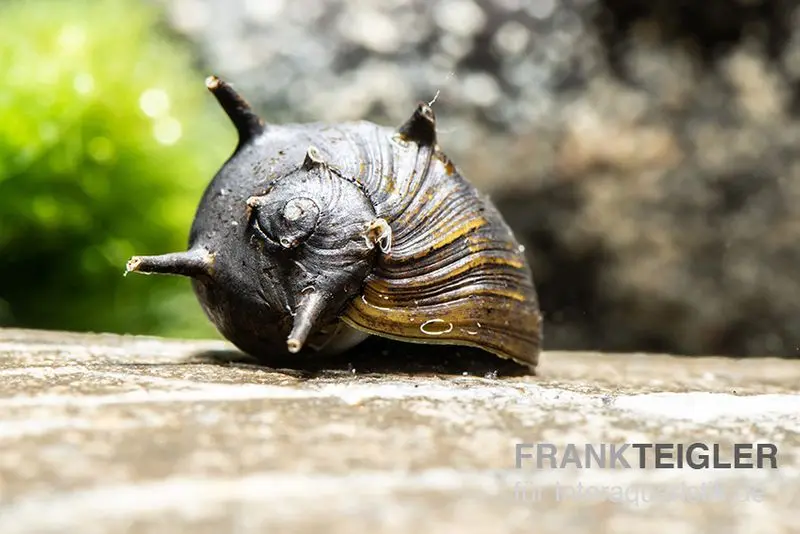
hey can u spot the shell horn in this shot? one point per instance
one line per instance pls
(247, 123)
(192, 263)
(421, 126)
(305, 319)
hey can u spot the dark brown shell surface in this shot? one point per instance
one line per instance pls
(454, 273)
(398, 244)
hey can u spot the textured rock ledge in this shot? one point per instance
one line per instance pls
(104, 433)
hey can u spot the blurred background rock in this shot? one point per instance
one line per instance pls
(646, 153)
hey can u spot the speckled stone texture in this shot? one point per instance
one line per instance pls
(646, 152)
(109, 434)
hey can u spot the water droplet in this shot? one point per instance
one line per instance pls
(428, 327)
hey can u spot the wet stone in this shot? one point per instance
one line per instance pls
(103, 433)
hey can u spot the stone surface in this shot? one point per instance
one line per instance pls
(101, 433)
(646, 152)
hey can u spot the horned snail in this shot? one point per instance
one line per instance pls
(311, 237)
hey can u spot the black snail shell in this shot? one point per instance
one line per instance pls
(313, 236)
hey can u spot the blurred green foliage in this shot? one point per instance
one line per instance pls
(107, 140)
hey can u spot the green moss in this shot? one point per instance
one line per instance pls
(107, 140)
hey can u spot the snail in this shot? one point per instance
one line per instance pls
(312, 237)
